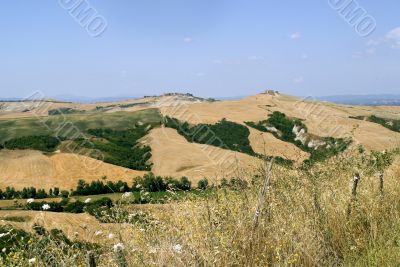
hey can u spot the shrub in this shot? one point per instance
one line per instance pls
(150, 183)
(54, 206)
(98, 187)
(75, 207)
(96, 208)
(202, 184)
(184, 184)
(56, 191)
(64, 194)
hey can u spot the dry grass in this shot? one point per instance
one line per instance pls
(173, 155)
(304, 222)
(267, 144)
(32, 168)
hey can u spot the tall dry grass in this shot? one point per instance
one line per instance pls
(308, 217)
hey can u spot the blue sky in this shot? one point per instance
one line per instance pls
(206, 47)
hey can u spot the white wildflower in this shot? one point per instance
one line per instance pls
(4, 250)
(98, 233)
(110, 236)
(88, 200)
(46, 207)
(127, 195)
(30, 200)
(32, 260)
(118, 247)
(138, 186)
(177, 248)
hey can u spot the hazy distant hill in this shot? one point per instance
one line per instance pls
(368, 100)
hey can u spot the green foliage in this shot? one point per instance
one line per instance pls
(11, 237)
(182, 184)
(54, 206)
(44, 143)
(333, 147)
(150, 183)
(75, 123)
(98, 187)
(97, 207)
(238, 184)
(64, 193)
(75, 207)
(56, 191)
(381, 160)
(31, 192)
(224, 134)
(122, 148)
(283, 124)
(202, 184)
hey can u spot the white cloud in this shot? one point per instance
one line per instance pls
(393, 38)
(298, 80)
(188, 40)
(295, 35)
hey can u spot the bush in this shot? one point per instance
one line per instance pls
(202, 184)
(98, 187)
(64, 194)
(75, 207)
(95, 208)
(150, 183)
(182, 184)
(54, 206)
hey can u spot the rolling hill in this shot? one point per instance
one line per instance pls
(171, 153)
